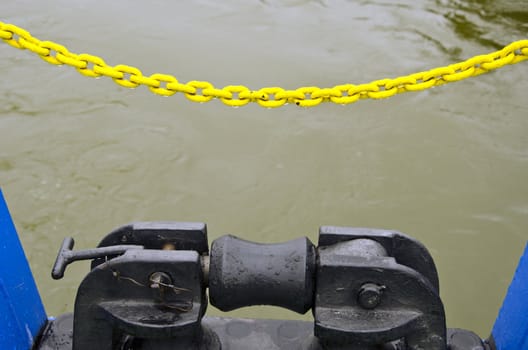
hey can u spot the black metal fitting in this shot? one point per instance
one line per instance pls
(368, 290)
(243, 273)
(146, 298)
(355, 267)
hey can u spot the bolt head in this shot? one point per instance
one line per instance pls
(369, 295)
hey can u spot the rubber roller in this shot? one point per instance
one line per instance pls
(243, 273)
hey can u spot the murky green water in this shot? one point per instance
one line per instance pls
(79, 157)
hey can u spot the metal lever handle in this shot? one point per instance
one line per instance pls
(66, 255)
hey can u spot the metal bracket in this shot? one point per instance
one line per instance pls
(368, 289)
(370, 292)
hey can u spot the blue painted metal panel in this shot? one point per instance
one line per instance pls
(22, 314)
(510, 331)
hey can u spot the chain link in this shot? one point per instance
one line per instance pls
(269, 97)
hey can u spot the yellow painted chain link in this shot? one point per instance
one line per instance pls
(270, 97)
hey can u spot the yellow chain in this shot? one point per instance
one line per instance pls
(270, 97)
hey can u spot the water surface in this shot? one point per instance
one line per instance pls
(79, 157)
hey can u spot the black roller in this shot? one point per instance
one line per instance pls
(243, 273)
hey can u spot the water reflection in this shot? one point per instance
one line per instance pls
(477, 20)
(464, 28)
(453, 52)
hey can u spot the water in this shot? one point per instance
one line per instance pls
(79, 157)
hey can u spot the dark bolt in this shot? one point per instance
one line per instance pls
(369, 295)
